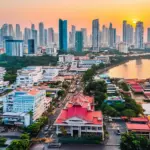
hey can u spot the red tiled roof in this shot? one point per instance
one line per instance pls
(139, 119)
(93, 117)
(131, 126)
(80, 99)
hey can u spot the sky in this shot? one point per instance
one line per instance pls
(77, 12)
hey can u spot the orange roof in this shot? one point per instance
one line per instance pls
(131, 126)
(33, 91)
(139, 119)
(80, 99)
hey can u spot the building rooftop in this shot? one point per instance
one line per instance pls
(143, 127)
(139, 119)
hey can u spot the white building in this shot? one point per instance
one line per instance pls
(25, 101)
(123, 47)
(18, 119)
(29, 75)
(2, 73)
(66, 58)
(79, 117)
(104, 59)
(49, 73)
(89, 63)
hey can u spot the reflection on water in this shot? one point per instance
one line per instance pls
(133, 69)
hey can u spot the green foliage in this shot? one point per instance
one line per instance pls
(12, 64)
(124, 86)
(2, 141)
(130, 141)
(34, 128)
(128, 113)
(21, 144)
(61, 93)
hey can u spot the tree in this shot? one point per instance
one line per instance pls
(2, 141)
(130, 141)
(88, 75)
(128, 113)
(61, 93)
(124, 86)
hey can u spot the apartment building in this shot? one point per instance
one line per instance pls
(29, 76)
(24, 101)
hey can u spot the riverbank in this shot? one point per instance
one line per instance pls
(126, 59)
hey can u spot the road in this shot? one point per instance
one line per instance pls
(57, 111)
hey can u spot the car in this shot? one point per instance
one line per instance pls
(54, 145)
(118, 131)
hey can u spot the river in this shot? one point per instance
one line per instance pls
(139, 68)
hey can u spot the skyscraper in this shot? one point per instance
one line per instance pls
(79, 41)
(41, 34)
(104, 37)
(84, 33)
(95, 34)
(124, 31)
(27, 35)
(32, 27)
(50, 36)
(45, 37)
(31, 48)
(127, 33)
(18, 32)
(73, 32)
(63, 45)
(112, 36)
(139, 32)
(148, 34)
(35, 38)
(10, 30)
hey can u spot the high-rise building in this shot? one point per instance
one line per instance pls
(139, 32)
(148, 34)
(31, 48)
(104, 37)
(32, 27)
(79, 41)
(50, 36)
(124, 31)
(10, 30)
(95, 34)
(27, 35)
(84, 33)
(18, 32)
(112, 36)
(41, 34)
(35, 38)
(14, 47)
(127, 33)
(63, 44)
(5, 30)
(73, 32)
(45, 37)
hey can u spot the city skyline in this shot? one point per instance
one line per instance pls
(76, 12)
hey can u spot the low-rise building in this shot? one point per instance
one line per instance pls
(114, 100)
(103, 58)
(111, 88)
(17, 119)
(79, 118)
(29, 75)
(139, 129)
(66, 58)
(24, 101)
(123, 47)
(49, 73)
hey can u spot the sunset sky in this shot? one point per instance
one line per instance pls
(77, 12)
